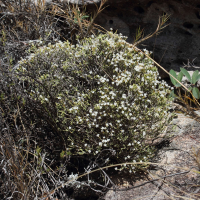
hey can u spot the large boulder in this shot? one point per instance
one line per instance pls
(175, 45)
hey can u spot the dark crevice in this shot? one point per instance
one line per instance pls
(187, 33)
(197, 14)
(188, 25)
(150, 3)
(139, 9)
(110, 8)
(120, 15)
(181, 61)
(111, 21)
(171, 6)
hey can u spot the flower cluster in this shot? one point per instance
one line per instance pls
(106, 93)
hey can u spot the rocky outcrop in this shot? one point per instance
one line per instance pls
(175, 45)
(174, 176)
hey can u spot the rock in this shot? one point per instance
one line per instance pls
(177, 43)
(173, 160)
(174, 46)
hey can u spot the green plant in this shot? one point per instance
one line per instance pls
(101, 95)
(192, 84)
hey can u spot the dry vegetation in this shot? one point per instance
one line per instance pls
(33, 164)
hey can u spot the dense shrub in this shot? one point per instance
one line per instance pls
(102, 96)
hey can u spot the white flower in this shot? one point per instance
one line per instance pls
(124, 96)
(138, 68)
(90, 111)
(144, 133)
(106, 160)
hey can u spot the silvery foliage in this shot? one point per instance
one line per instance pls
(106, 94)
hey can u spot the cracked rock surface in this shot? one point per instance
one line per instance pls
(174, 176)
(175, 45)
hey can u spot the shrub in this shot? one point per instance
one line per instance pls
(102, 96)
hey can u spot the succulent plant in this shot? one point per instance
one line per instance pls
(103, 95)
(193, 80)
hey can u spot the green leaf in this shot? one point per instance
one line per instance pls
(196, 93)
(173, 73)
(179, 77)
(2, 96)
(190, 88)
(38, 150)
(84, 17)
(185, 72)
(198, 77)
(178, 85)
(172, 94)
(62, 154)
(195, 76)
(68, 153)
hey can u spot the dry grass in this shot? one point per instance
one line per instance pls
(31, 167)
(28, 171)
